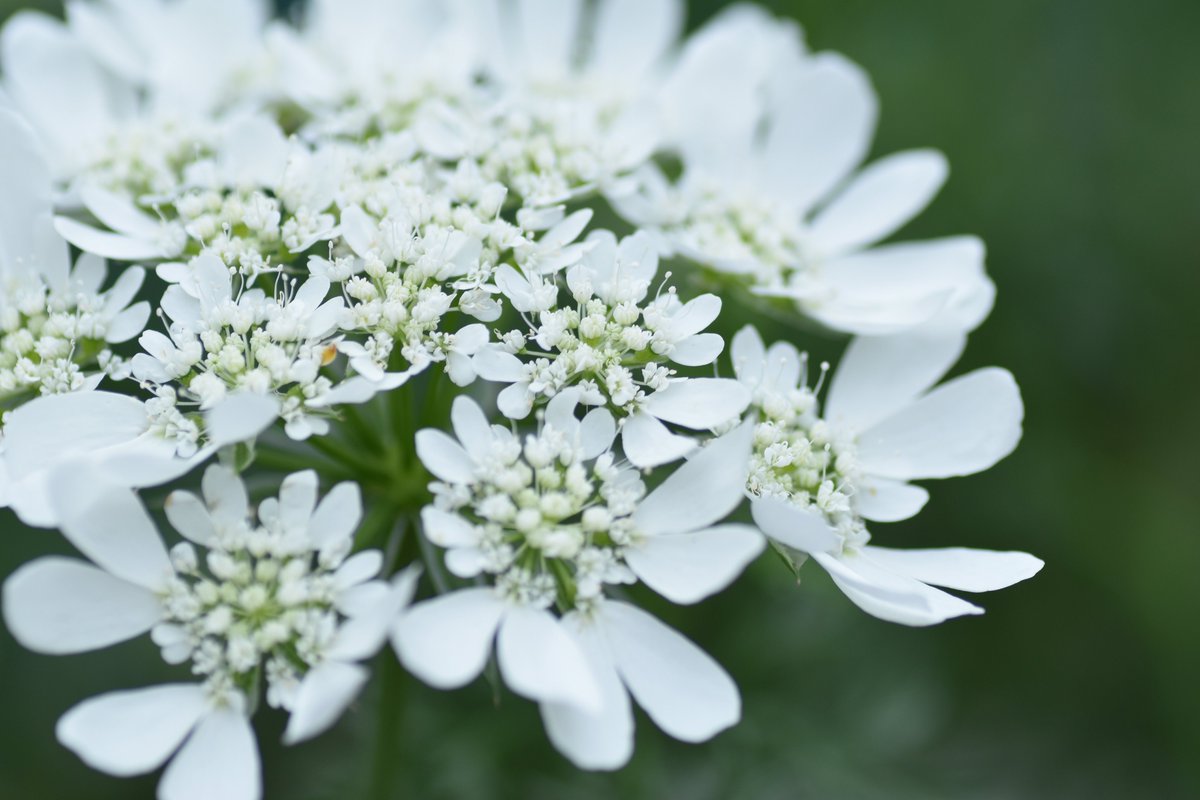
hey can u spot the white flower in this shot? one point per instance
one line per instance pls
(120, 436)
(56, 324)
(783, 210)
(817, 480)
(630, 652)
(611, 342)
(223, 341)
(281, 594)
(250, 158)
(550, 521)
(378, 53)
(115, 86)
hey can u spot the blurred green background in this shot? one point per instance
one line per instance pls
(1072, 127)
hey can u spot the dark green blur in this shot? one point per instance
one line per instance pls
(1073, 130)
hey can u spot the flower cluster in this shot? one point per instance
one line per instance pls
(245, 600)
(315, 247)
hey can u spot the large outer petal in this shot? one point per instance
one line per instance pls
(446, 641)
(883, 500)
(820, 130)
(326, 691)
(879, 375)
(960, 568)
(879, 201)
(596, 740)
(25, 202)
(890, 596)
(134, 732)
(444, 457)
(681, 687)
(109, 524)
(688, 567)
(540, 661)
(58, 427)
(749, 356)
(240, 417)
(960, 428)
(60, 605)
(649, 443)
(938, 284)
(804, 529)
(337, 516)
(706, 488)
(699, 403)
(56, 83)
(632, 36)
(219, 760)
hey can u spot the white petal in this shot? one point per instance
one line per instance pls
(965, 569)
(358, 568)
(698, 350)
(446, 641)
(516, 401)
(632, 36)
(446, 529)
(939, 283)
(710, 485)
(61, 426)
(648, 443)
(890, 596)
(569, 229)
(56, 82)
(128, 323)
(110, 245)
(540, 661)
(494, 364)
(471, 426)
(879, 200)
(444, 457)
(801, 529)
(882, 500)
(220, 759)
(782, 367)
(822, 131)
(119, 213)
(109, 525)
(602, 740)
(337, 516)
(465, 562)
(688, 567)
(190, 517)
(135, 732)
(240, 417)
(212, 279)
(326, 691)
(699, 403)
(358, 600)
(696, 315)
(26, 200)
(748, 355)
(960, 428)
(60, 605)
(225, 495)
(878, 376)
(681, 687)
(549, 31)
(254, 153)
(596, 433)
(361, 636)
(297, 500)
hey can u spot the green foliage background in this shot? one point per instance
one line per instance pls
(1072, 128)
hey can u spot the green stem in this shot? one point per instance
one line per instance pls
(389, 752)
